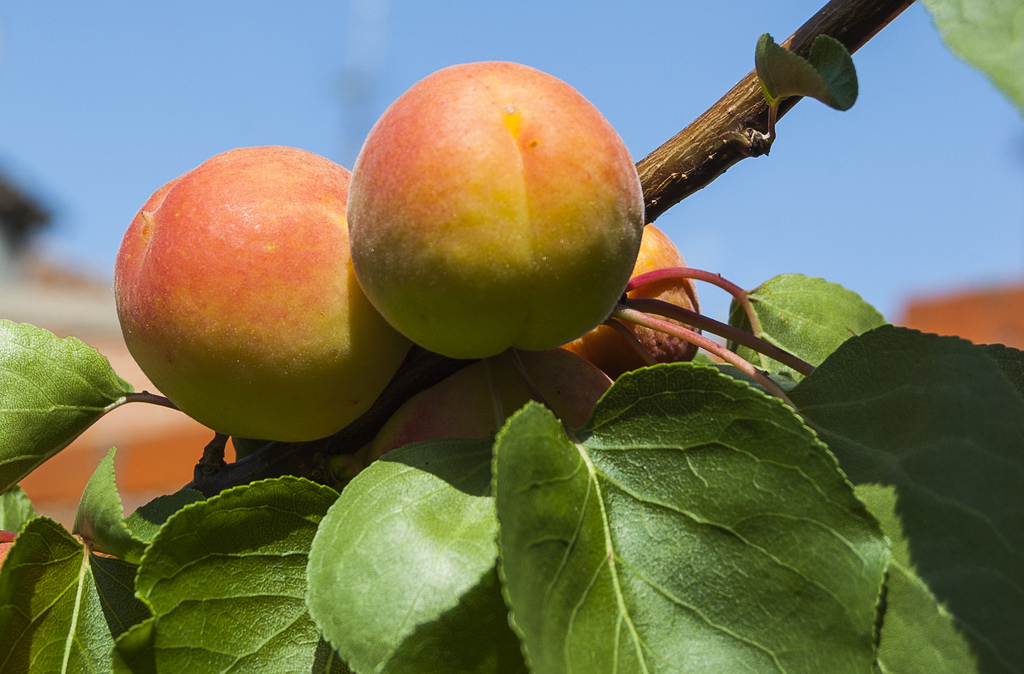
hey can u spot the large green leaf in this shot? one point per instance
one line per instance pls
(695, 525)
(809, 317)
(937, 419)
(226, 581)
(15, 509)
(988, 34)
(401, 571)
(53, 389)
(51, 619)
(918, 634)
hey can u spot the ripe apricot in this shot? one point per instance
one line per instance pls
(237, 298)
(493, 206)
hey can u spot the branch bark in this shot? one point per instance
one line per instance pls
(420, 370)
(736, 127)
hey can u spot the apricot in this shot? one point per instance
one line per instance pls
(462, 406)
(493, 206)
(608, 349)
(237, 298)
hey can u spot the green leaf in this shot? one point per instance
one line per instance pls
(328, 661)
(472, 637)
(834, 65)
(808, 317)
(15, 509)
(115, 586)
(918, 634)
(226, 581)
(146, 521)
(988, 34)
(399, 568)
(1010, 361)
(53, 390)
(136, 654)
(136, 649)
(827, 74)
(100, 517)
(49, 609)
(695, 525)
(935, 418)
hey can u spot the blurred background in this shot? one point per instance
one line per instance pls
(914, 198)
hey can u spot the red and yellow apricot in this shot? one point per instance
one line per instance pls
(236, 295)
(493, 206)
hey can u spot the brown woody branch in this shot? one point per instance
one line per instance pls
(736, 127)
(421, 370)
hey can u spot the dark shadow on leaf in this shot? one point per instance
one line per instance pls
(464, 463)
(938, 419)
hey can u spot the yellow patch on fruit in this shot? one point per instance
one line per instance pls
(512, 120)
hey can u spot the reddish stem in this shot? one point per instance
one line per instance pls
(625, 313)
(669, 310)
(670, 273)
(632, 340)
(7, 536)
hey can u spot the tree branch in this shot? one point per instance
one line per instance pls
(420, 370)
(736, 126)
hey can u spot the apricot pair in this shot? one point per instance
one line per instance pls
(492, 206)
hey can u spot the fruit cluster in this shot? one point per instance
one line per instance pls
(269, 295)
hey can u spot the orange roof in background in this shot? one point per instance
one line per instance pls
(992, 315)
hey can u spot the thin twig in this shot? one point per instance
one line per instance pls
(669, 310)
(668, 273)
(151, 398)
(631, 338)
(633, 316)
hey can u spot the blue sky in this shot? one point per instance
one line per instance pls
(918, 188)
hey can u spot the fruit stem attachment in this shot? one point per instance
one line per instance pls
(213, 456)
(625, 313)
(670, 273)
(152, 398)
(669, 310)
